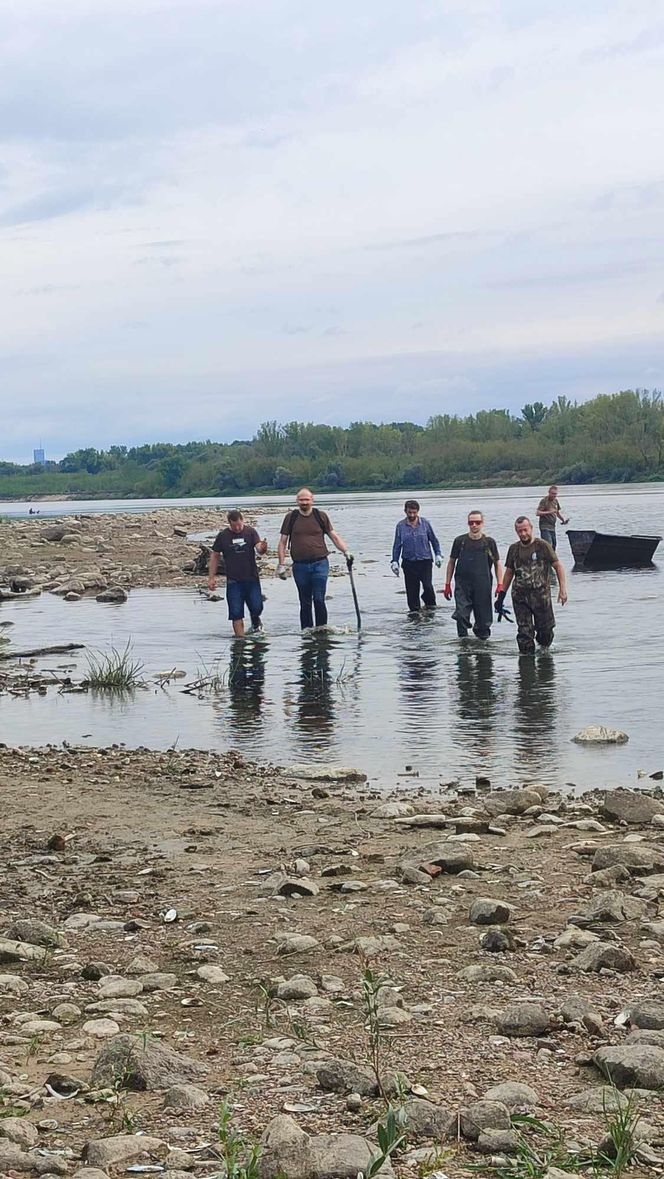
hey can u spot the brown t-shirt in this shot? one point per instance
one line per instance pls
(531, 565)
(550, 506)
(307, 538)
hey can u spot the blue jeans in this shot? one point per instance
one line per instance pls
(239, 593)
(310, 578)
(550, 535)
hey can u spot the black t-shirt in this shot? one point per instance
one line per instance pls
(465, 550)
(239, 552)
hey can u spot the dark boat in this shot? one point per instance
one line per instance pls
(605, 550)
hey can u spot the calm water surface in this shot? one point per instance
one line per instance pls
(405, 692)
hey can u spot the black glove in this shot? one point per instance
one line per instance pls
(500, 607)
(349, 559)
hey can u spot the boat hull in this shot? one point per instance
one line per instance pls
(605, 550)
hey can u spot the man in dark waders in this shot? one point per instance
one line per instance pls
(528, 568)
(474, 556)
(414, 540)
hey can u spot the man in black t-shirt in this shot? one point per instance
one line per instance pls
(474, 556)
(238, 544)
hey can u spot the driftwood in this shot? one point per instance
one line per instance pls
(10, 595)
(59, 650)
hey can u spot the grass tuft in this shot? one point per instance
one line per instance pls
(114, 671)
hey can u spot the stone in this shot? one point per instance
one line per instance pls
(558, 1173)
(113, 986)
(511, 802)
(90, 1173)
(575, 1009)
(66, 1013)
(141, 964)
(639, 1065)
(608, 877)
(630, 806)
(489, 974)
(654, 929)
(483, 1115)
(160, 981)
(342, 1156)
(611, 905)
(93, 971)
(13, 1158)
(212, 974)
(39, 1027)
(14, 951)
(295, 943)
(603, 1099)
(514, 1095)
(284, 1150)
(36, 932)
(497, 941)
(325, 773)
(111, 1152)
(117, 1007)
(295, 886)
(600, 735)
(185, 1097)
(647, 1014)
(653, 1036)
(114, 593)
(300, 986)
(424, 1120)
(524, 1019)
(498, 1142)
(344, 1076)
(604, 956)
(11, 984)
(20, 1131)
(575, 938)
(101, 1029)
(144, 1064)
(393, 810)
(449, 857)
(486, 911)
(639, 859)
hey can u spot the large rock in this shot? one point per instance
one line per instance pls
(604, 1099)
(325, 773)
(512, 802)
(110, 1152)
(36, 932)
(517, 1097)
(114, 593)
(637, 858)
(486, 911)
(287, 1151)
(284, 1150)
(13, 951)
(143, 1064)
(114, 986)
(11, 984)
(344, 1076)
(648, 1014)
(20, 1131)
(449, 857)
(600, 735)
(524, 1019)
(184, 1097)
(424, 1119)
(300, 986)
(342, 1156)
(604, 956)
(611, 905)
(480, 974)
(483, 1115)
(629, 1066)
(631, 806)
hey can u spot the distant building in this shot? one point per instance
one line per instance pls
(39, 458)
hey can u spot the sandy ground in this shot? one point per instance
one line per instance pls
(210, 836)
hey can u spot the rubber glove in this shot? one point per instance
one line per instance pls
(447, 592)
(281, 572)
(439, 561)
(394, 566)
(349, 558)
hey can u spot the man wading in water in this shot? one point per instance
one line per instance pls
(305, 529)
(528, 565)
(548, 511)
(238, 544)
(475, 556)
(414, 538)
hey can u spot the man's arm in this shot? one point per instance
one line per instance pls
(449, 572)
(338, 542)
(500, 579)
(213, 565)
(281, 548)
(396, 547)
(543, 511)
(562, 585)
(508, 577)
(433, 540)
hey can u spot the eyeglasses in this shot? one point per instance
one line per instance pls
(474, 522)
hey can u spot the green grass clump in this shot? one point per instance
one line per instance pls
(114, 671)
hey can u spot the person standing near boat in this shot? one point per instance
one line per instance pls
(528, 568)
(304, 530)
(548, 512)
(414, 540)
(473, 558)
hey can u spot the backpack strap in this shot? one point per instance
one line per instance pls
(319, 520)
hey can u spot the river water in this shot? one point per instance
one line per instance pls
(404, 693)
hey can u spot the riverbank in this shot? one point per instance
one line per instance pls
(228, 911)
(85, 554)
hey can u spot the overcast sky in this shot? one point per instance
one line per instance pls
(214, 212)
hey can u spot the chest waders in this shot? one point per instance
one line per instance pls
(472, 589)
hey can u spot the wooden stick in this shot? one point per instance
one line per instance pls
(59, 650)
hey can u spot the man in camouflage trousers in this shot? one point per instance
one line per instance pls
(528, 570)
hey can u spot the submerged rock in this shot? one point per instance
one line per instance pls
(600, 735)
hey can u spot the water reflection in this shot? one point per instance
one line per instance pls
(246, 683)
(535, 713)
(315, 705)
(474, 704)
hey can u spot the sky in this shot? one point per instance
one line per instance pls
(217, 212)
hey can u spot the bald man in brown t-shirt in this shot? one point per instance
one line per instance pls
(305, 529)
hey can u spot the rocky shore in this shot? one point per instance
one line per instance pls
(185, 933)
(88, 554)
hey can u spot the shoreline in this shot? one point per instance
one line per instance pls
(103, 844)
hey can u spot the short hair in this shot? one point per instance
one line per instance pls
(411, 503)
(553, 487)
(234, 515)
(523, 520)
(476, 512)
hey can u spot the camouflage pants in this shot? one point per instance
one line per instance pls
(534, 618)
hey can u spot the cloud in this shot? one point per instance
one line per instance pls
(212, 210)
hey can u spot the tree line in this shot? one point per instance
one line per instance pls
(612, 438)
